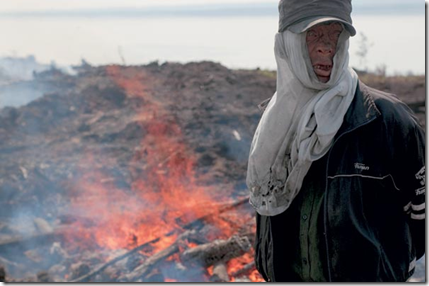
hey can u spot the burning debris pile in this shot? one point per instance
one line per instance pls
(131, 174)
(124, 174)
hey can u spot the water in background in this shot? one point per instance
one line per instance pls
(237, 42)
(236, 36)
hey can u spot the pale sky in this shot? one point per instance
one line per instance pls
(43, 5)
(53, 34)
(31, 5)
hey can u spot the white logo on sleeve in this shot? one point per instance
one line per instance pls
(421, 175)
(421, 191)
(360, 166)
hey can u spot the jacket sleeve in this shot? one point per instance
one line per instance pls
(413, 184)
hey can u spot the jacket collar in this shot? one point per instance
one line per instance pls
(362, 110)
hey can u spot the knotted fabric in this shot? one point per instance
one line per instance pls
(299, 124)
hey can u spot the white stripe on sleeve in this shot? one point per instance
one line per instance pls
(407, 207)
(418, 216)
(418, 207)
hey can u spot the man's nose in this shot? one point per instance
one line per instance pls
(325, 45)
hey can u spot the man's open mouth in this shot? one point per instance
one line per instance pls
(323, 67)
(322, 70)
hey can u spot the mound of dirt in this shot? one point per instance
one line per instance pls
(118, 127)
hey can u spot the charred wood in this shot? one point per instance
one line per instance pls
(79, 269)
(110, 274)
(220, 273)
(44, 277)
(194, 225)
(143, 270)
(216, 251)
(245, 270)
(154, 276)
(88, 276)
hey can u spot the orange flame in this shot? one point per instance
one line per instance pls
(164, 193)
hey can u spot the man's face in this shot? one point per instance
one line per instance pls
(322, 42)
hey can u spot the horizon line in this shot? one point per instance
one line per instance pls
(212, 10)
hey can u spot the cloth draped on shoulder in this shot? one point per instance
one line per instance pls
(299, 123)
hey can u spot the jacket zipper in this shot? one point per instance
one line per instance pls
(325, 199)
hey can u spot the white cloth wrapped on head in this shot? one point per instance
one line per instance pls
(299, 123)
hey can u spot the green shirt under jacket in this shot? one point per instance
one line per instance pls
(308, 260)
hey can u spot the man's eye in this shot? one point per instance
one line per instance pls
(311, 34)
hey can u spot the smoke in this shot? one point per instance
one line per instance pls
(17, 79)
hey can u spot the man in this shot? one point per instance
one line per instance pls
(336, 169)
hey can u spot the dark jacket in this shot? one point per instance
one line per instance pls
(374, 203)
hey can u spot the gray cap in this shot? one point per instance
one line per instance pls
(304, 25)
(300, 15)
